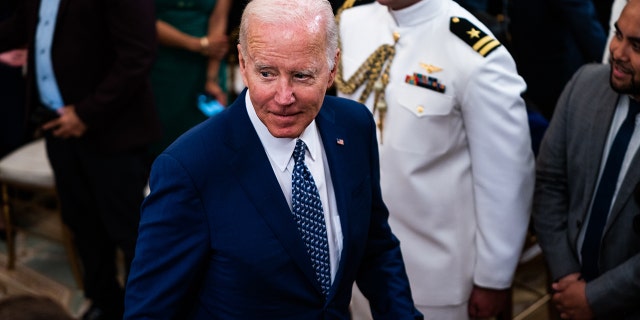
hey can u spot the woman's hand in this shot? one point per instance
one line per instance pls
(214, 46)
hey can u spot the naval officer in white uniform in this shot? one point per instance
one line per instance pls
(457, 168)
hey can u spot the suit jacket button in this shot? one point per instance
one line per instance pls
(578, 223)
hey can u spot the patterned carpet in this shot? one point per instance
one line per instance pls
(42, 265)
(42, 268)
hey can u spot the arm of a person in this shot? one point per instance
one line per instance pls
(502, 166)
(172, 246)
(551, 197)
(131, 28)
(382, 278)
(169, 36)
(219, 46)
(14, 58)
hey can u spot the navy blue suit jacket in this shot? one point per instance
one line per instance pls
(217, 239)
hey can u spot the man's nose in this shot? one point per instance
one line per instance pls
(284, 93)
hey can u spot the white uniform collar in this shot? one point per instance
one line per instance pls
(418, 13)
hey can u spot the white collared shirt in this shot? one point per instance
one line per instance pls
(280, 154)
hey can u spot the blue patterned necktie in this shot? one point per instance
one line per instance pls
(604, 194)
(308, 213)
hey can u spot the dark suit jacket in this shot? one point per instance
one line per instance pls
(566, 176)
(101, 53)
(217, 239)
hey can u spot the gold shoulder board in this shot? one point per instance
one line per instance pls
(481, 42)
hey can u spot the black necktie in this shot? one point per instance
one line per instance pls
(308, 213)
(604, 194)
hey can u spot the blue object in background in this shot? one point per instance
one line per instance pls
(209, 105)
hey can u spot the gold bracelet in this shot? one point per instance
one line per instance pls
(204, 44)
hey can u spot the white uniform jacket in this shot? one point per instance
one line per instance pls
(457, 168)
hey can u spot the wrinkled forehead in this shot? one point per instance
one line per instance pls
(287, 34)
(287, 25)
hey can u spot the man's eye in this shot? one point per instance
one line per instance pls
(301, 76)
(265, 74)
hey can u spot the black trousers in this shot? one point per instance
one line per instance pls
(100, 197)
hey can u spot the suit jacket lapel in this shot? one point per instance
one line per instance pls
(253, 169)
(335, 152)
(627, 187)
(599, 133)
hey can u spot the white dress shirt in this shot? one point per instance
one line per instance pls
(280, 154)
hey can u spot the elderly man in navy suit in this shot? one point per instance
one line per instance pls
(224, 232)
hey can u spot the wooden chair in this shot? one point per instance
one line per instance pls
(27, 170)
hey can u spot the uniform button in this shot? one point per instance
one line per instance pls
(46, 22)
(420, 109)
(42, 51)
(44, 78)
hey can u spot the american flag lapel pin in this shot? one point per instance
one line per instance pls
(340, 142)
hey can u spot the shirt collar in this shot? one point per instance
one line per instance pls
(280, 150)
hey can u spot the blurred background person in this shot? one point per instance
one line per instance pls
(193, 44)
(13, 129)
(550, 40)
(603, 12)
(88, 90)
(12, 105)
(492, 13)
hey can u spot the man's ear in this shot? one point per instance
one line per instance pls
(240, 58)
(242, 63)
(334, 71)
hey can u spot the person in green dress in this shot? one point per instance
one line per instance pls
(192, 39)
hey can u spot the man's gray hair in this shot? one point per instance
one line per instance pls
(292, 12)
